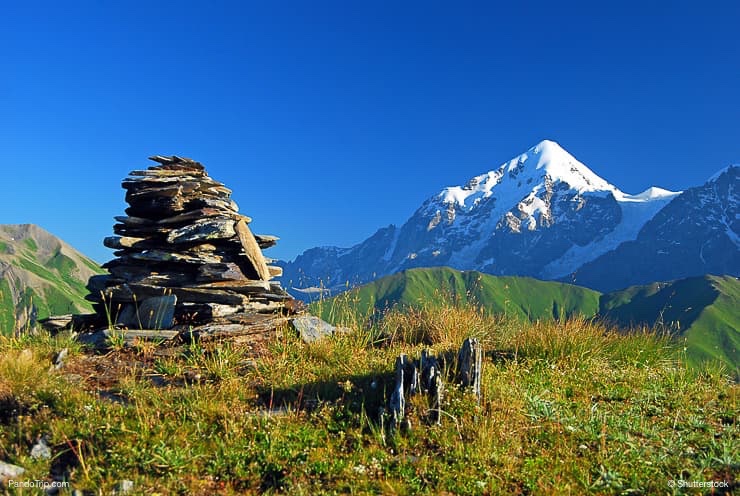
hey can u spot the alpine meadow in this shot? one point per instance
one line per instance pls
(322, 248)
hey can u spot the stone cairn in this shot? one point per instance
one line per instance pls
(187, 260)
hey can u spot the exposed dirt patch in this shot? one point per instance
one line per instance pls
(103, 373)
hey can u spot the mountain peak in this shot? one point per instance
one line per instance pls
(525, 173)
(548, 146)
(559, 164)
(717, 174)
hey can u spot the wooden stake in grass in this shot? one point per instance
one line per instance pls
(470, 360)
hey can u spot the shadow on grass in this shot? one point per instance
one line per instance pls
(359, 393)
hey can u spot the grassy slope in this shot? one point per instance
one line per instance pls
(567, 408)
(520, 297)
(42, 276)
(703, 310)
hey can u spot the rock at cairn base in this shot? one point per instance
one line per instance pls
(185, 256)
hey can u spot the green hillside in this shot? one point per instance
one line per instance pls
(702, 310)
(520, 297)
(41, 276)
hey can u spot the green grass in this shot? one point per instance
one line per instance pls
(31, 244)
(700, 312)
(523, 298)
(7, 306)
(60, 290)
(568, 407)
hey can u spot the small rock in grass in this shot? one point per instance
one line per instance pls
(312, 329)
(60, 358)
(41, 450)
(8, 471)
(125, 486)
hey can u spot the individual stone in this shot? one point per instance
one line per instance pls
(119, 242)
(163, 173)
(180, 162)
(56, 322)
(252, 250)
(227, 206)
(8, 471)
(130, 293)
(239, 286)
(203, 231)
(154, 207)
(239, 325)
(220, 272)
(125, 486)
(157, 312)
(312, 329)
(169, 279)
(217, 310)
(262, 306)
(193, 215)
(265, 240)
(170, 256)
(133, 221)
(132, 336)
(60, 358)
(41, 450)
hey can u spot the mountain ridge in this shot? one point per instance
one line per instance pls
(42, 275)
(700, 311)
(542, 214)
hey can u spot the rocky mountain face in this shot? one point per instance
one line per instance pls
(542, 214)
(697, 233)
(40, 275)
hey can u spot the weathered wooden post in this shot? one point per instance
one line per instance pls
(431, 383)
(425, 377)
(470, 360)
(398, 400)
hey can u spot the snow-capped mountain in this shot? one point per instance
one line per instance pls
(542, 214)
(697, 233)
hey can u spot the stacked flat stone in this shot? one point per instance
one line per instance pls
(184, 254)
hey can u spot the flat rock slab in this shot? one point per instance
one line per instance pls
(252, 250)
(158, 312)
(240, 325)
(56, 322)
(312, 329)
(218, 228)
(126, 292)
(131, 336)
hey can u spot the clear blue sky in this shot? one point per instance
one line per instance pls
(331, 119)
